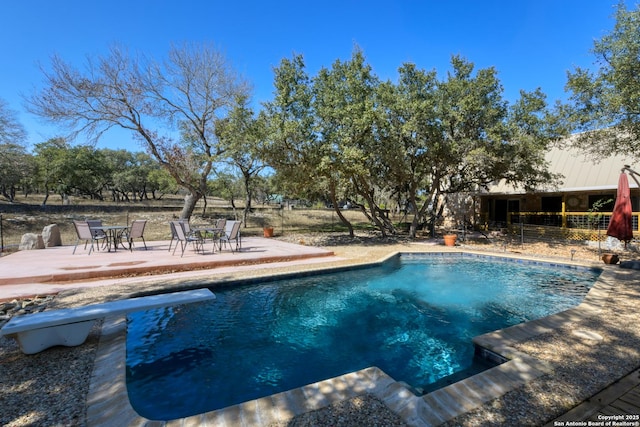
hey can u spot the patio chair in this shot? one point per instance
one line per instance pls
(218, 229)
(136, 232)
(98, 233)
(231, 234)
(173, 232)
(220, 223)
(84, 232)
(177, 227)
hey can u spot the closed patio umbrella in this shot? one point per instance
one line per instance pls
(621, 226)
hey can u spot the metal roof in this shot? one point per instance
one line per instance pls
(580, 173)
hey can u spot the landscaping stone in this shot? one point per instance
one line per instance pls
(31, 241)
(51, 236)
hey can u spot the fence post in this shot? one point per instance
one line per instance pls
(599, 241)
(464, 228)
(281, 219)
(521, 234)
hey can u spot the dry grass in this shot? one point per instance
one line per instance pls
(28, 216)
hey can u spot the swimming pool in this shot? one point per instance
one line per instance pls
(413, 316)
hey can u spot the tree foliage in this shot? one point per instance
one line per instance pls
(99, 174)
(14, 161)
(242, 136)
(606, 102)
(416, 140)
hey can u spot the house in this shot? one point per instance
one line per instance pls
(584, 199)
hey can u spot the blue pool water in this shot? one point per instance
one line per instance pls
(414, 317)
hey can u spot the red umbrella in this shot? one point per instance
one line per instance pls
(621, 225)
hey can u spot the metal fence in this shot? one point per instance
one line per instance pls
(579, 220)
(594, 239)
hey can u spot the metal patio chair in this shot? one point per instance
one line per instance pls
(177, 227)
(84, 232)
(231, 235)
(136, 231)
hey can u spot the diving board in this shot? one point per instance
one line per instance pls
(71, 326)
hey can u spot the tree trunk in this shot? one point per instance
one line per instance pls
(46, 195)
(420, 211)
(190, 201)
(204, 207)
(334, 201)
(249, 196)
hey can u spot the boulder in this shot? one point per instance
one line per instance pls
(31, 241)
(51, 236)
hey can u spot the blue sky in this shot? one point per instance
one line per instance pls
(531, 43)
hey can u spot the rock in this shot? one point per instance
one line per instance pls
(31, 241)
(6, 306)
(51, 236)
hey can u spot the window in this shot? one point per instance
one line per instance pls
(601, 202)
(551, 204)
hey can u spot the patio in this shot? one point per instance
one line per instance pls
(50, 270)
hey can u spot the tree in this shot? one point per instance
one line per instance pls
(459, 135)
(14, 164)
(50, 159)
(606, 103)
(344, 132)
(88, 171)
(345, 97)
(409, 138)
(242, 136)
(15, 168)
(160, 181)
(11, 130)
(187, 92)
(318, 131)
(226, 186)
(294, 148)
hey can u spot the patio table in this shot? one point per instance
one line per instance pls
(214, 232)
(114, 235)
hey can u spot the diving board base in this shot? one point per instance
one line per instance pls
(70, 335)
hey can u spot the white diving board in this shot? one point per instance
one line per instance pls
(71, 326)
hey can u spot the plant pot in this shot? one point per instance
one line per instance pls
(450, 239)
(610, 258)
(268, 231)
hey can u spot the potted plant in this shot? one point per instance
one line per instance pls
(267, 230)
(450, 239)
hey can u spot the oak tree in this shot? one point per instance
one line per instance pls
(605, 103)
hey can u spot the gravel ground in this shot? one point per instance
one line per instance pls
(50, 388)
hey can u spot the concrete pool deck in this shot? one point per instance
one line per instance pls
(591, 323)
(51, 270)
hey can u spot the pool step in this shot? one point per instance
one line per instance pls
(282, 407)
(479, 364)
(471, 393)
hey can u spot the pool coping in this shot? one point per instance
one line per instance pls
(108, 401)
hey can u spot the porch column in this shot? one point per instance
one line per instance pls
(564, 211)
